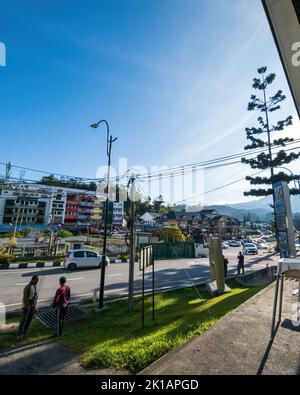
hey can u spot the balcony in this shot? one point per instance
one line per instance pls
(72, 203)
(71, 217)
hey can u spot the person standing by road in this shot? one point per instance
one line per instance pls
(225, 266)
(241, 262)
(30, 297)
(60, 303)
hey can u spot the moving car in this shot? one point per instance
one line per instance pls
(250, 248)
(224, 245)
(83, 259)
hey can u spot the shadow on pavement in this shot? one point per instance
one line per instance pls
(41, 360)
(267, 353)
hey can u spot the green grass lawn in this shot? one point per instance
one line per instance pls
(115, 339)
(8, 335)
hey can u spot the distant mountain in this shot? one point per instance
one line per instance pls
(258, 214)
(263, 203)
(257, 209)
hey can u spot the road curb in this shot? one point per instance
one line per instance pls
(33, 265)
(26, 347)
(29, 265)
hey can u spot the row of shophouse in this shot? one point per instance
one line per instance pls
(204, 222)
(40, 205)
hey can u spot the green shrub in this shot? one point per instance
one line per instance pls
(124, 257)
(64, 233)
(7, 258)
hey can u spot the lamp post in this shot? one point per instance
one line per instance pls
(292, 174)
(110, 140)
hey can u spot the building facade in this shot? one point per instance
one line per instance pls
(118, 215)
(35, 204)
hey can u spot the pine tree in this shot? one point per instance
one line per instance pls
(255, 135)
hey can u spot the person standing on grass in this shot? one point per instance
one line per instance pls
(60, 303)
(30, 297)
(241, 261)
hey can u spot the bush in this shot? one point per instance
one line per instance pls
(64, 233)
(7, 258)
(124, 257)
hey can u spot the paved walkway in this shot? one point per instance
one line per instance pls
(47, 358)
(240, 343)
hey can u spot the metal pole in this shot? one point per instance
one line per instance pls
(109, 142)
(281, 297)
(275, 301)
(51, 235)
(153, 285)
(103, 263)
(143, 289)
(131, 250)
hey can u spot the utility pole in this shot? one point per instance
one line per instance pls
(13, 239)
(131, 196)
(51, 235)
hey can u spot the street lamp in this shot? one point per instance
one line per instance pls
(110, 140)
(292, 174)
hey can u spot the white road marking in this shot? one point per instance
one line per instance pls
(22, 284)
(115, 275)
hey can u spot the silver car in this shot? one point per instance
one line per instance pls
(250, 248)
(81, 259)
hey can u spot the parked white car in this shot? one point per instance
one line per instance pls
(224, 246)
(81, 259)
(234, 243)
(250, 248)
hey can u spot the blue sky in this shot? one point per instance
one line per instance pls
(172, 77)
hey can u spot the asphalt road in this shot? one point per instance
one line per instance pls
(168, 274)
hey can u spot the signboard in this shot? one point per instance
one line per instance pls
(146, 257)
(284, 19)
(284, 220)
(146, 260)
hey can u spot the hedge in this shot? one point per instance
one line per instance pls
(7, 258)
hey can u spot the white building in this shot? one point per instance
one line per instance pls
(118, 214)
(150, 219)
(31, 204)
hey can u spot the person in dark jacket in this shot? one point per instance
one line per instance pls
(60, 303)
(30, 297)
(225, 266)
(241, 261)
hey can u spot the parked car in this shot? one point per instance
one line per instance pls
(224, 245)
(234, 243)
(262, 246)
(245, 241)
(83, 259)
(250, 248)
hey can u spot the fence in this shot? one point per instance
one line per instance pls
(172, 250)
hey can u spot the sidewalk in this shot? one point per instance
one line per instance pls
(240, 343)
(48, 358)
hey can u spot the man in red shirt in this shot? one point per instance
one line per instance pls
(60, 303)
